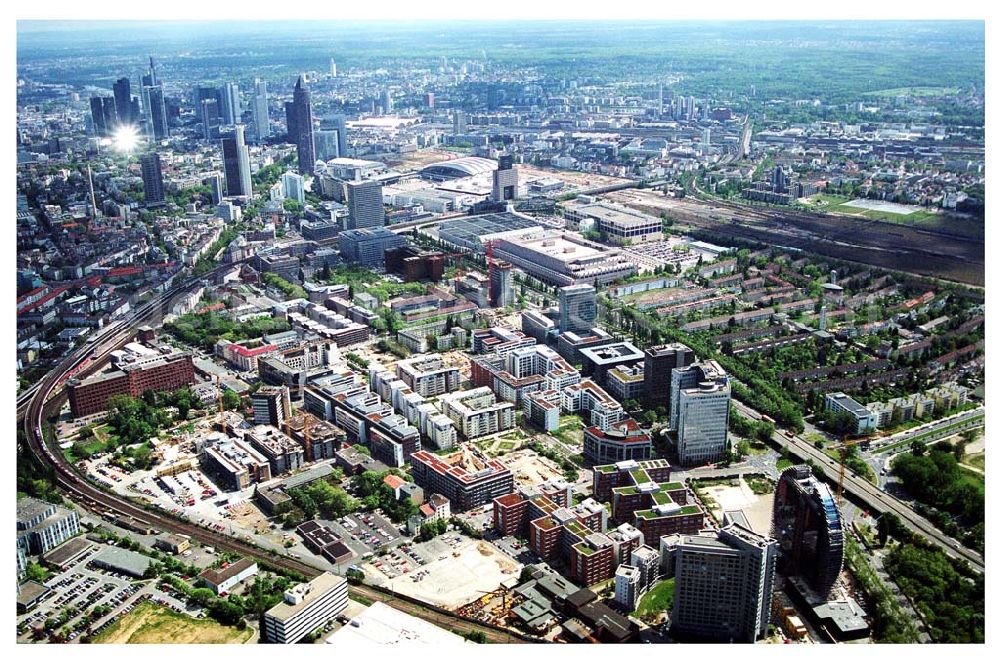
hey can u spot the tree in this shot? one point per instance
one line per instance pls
(230, 400)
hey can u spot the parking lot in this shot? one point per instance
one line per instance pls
(366, 533)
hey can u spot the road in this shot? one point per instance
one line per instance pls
(869, 495)
(49, 394)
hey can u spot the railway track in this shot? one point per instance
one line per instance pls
(32, 406)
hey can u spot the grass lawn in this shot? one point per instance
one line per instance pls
(659, 599)
(152, 623)
(837, 204)
(977, 460)
(784, 463)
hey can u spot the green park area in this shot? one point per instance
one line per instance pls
(838, 204)
(659, 599)
(152, 623)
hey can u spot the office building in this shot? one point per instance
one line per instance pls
(333, 67)
(502, 284)
(261, 119)
(386, 101)
(597, 362)
(338, 123)
(699, 412)
(282, 453)
(42, 526)
(216, 183)
(364, 205)
(863, 420)
(209, 115)
(809, 529)
(465, 480)
(658, 369)
(156, 112)
(577, 308)
(152, 179)
(230, 107)
(301, 118)
(623, 440)
(562, 258)
(123, 101)
(102, 113)
(458, 122)
(305, 608)
(505, 180)
(293, 186)
(156, 373)
(223, 579)
(618, 224)
(236, 163)
(271, 405)
(724, 582)
(233, 463)
(382, 625)
(327, 145)
(368, 246)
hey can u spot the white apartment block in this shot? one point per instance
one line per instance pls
(477, 413)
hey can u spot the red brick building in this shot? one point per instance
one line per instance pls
(165, 373)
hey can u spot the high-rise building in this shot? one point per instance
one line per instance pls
(333, 67)
(387, 101)
(156, 112)
(429, 100)
(505, 180)
(459, 122)
(305, 608)
(236, 162)
(152, 179)
(301, 116)
(658, 369)
(209, 115)
(699, 412)
(723, 583)
(778, 180)
(364, 205)
(338, 122)
(271, 405)
(261, 121)
(154, 79)
(293, 187)
(327, 147)
(367, 246)
(577, 308)
(102, 111)
(809, 529)
(229, 104)
(502, 284)
(123, 101)
(215, 182)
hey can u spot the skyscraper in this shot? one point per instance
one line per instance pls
(658, 368)
(502, 284)
(153, 79)
(293, 187)
(304, 142)
(723, 583)
(209, 115)
(230, 109)
(152, 179)
(459, 122)
(699, 412)
(333, 67)
(236, 162)
(387, 100)
(215, 182)
(577, 308)
(809, 529)
(364, 205)
(505, 180)
(156, 112)
(339, 123)
(123, 101)
(327, 145)
(102, 112)
(261, 121)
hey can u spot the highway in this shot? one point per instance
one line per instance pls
(869, 495)
(32, 409)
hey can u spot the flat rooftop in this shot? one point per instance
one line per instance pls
(384, 625)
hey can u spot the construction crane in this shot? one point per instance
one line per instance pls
(222, 409)
(844, 448)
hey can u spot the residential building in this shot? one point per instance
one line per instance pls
(628, 582)
(152, 179)
(428, 376)
(477, 413)
(466, 481)
(864, 420)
